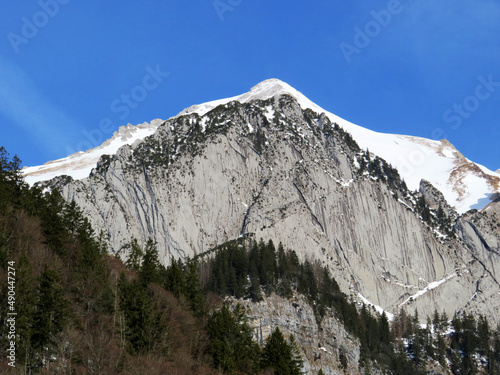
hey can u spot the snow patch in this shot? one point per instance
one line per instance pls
(379, 309)
(430, 286)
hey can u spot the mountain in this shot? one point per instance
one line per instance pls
(271, 164)
(466, 185)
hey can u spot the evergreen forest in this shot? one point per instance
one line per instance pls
(78, 309)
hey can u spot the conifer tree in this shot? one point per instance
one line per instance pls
(279, 355)
(231, 345)
(50, 310)
(134, 259)
(483, 335)
(174, 278)
(149, 269)
(136, 307)
(193, 291)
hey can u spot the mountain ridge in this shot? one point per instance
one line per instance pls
(465, 184)
(272, 170)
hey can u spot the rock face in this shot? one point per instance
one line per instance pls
(270, 169)
(321, 347)
(436, 199)
(480, 232)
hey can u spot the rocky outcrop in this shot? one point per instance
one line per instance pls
(435, 199)
(480, 232)
(270, 169)
(322, 347)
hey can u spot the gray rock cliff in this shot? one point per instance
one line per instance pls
(269, 169)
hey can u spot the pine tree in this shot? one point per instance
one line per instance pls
(483, 335)
(254, 292)
(231, 345)
(279, 355)
(149, 269)
(135, 256)
(441, 350)
(296, 358)
(50, 310)
(436, 321)
(137, 311)
(428, 340)
(193, 291)
(174, 278)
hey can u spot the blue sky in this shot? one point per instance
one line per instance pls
(421, 68)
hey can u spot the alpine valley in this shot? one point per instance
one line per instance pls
(401, 223)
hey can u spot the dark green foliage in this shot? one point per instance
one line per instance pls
(424, 210)
(483, 336)
(73, 314)
(231, 345)
(144, 261)
(139, 320)
(465, 340)
(307, 284)
(401, 364)
(468, 342)
(280, 355)
(134, 258)
(383, 171)
(10, 176)
(151, 268)
(53, 221)
(193, 290)
(50, 310)
(230, 270)
(248, 268)
(174, 278)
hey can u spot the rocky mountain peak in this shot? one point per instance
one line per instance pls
(464, 184)
(272, 169)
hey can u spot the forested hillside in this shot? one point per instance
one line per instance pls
(79, 310)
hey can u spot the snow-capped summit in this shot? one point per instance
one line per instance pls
(465, 184)
(262, 91)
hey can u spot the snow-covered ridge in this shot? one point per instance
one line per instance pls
(80, 164)
(464, 184)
